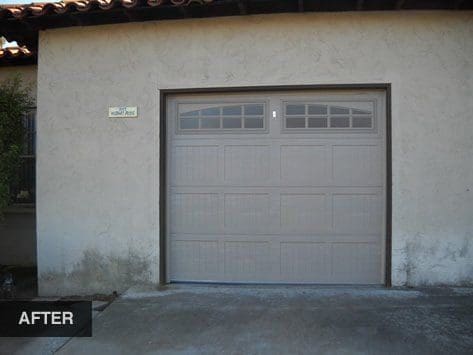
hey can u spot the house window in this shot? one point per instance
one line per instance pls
(326, 117)
(24, 190)
(215, 118)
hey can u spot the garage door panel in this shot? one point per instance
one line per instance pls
(306, 262)
(279, 237)
(298, 199)
(357, 165)
(198, 165)
(357, 213)
(304, 164)
(246, 212)
(247, 164)
(304, 213)
(356, 263)
(195, 212)
(195, 259)
(247, 261)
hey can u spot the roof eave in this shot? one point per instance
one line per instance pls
(23, 27)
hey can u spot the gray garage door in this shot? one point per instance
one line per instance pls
(277, 187)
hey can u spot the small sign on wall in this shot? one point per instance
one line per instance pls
(123, 112)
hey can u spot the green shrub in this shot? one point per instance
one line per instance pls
(15, 102)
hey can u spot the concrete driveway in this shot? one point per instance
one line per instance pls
(283, 320)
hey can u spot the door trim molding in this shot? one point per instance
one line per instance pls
(164, 93)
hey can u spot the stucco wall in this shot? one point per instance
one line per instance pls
(27, 73)
(98, 178)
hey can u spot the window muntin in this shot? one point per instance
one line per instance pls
(326, 116)
(233, 117)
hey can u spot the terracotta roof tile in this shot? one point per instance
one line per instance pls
(15, 52)
(38, 9)
(51, 8)
(17, 56)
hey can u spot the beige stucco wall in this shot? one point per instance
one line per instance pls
(98, 178)
(27, 73)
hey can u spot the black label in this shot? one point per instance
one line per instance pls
(45, 319)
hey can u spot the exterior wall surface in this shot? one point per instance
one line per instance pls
(98, 178)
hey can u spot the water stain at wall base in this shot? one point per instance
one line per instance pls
(427, 263)
(100, 273)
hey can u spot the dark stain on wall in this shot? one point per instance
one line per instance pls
(98, 273)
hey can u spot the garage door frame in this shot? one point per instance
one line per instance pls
(164, 93)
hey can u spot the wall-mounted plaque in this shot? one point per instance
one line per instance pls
(122, 112)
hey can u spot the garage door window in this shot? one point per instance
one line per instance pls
(233, 117)
(326, 117)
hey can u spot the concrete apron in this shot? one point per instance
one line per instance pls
(202, 319)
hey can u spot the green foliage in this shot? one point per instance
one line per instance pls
(15, 102)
